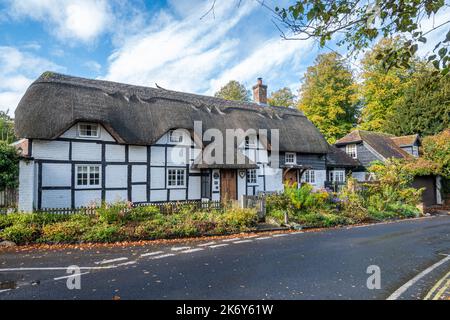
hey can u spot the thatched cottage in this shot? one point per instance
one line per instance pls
(88, 141)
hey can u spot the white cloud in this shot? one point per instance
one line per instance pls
(83, 20)
(18, 69)
(93, 66)
(182, 52)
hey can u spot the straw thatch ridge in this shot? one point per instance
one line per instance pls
(141, 115)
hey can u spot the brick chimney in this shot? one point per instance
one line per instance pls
(260, 92)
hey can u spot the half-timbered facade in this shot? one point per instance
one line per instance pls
(90, 141)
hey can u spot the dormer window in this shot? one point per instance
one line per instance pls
(175, 137)
(350, 149)
(88, 130)
(289, 158)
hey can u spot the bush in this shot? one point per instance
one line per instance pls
(102, 232)
(113, 213)
(322, 220)
(65, 232)
(237, 219)
(142, 213)
(20, 233)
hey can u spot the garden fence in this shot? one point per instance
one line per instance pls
(164, 207)
(8, 198)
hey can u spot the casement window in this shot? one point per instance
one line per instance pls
(290, 158)
(337, 176)
(251, 176)
(175, 136)
(88, 176)
(309, 176)
(350, 149)
(250, 141)
(88, 130)
(176, 178)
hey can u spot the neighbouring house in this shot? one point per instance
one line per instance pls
(366, 147)
(91, 141)
(339, 165)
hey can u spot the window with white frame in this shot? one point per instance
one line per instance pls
(175, 136)
(251, 176)
(289, 158)
(176, 178)
(309, 176)
(88, 176)
(337, 176)
(88, 130)
(350, 149)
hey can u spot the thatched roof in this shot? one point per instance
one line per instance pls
(339, 158)
(380, 142)
(141, 115)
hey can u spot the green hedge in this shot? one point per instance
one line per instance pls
(120, 222)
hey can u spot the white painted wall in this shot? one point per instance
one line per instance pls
(177, 194)
(116, 196)
(72, 133)
(137, 154)
(194, 188)
(114, 153)
(157, 178)
(139, 193)
(85, 198)
(86, 151)
(158, 195)
(116, 176)
(360, 176)
(26, 185)
(139, 173)
(56, 175)
(50, 150)
(56, 199)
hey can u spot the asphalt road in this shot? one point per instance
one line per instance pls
(329, 264)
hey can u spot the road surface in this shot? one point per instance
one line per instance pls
(331, 264)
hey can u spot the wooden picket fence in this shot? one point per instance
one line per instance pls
(8, 198)
(164, 207)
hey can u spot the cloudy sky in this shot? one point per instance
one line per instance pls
(147, 42)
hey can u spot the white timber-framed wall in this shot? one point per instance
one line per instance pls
(48, 179)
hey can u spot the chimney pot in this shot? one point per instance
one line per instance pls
(260, 92)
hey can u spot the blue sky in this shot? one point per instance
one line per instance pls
(147, 42)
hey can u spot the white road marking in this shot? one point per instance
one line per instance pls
(4, 290)
(232, 239)
(54, 268)
(243, 241)
(279, 235)
(219, 245)
(180, 248)
(163, 256)
(111, 260)
(206, 244)
(126, 263)
(397, 293)
(263, 238)
(192, 250)
(72, 275)
(151, 253)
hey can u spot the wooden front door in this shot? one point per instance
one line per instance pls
(290, 176)
(228, 188)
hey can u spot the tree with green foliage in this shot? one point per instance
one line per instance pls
(437, 149)
(9, 166)
(423, 107)
(233, 90)
(380, 88)
(6, 127)
(328, 96)
(359, 23)
(281, 98)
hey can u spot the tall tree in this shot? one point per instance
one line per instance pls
(359, 23)
(328, 96)
(380, 88)
(9, 166)
(6, 127)
(233, 90)
(423, 107)
(281, 98)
